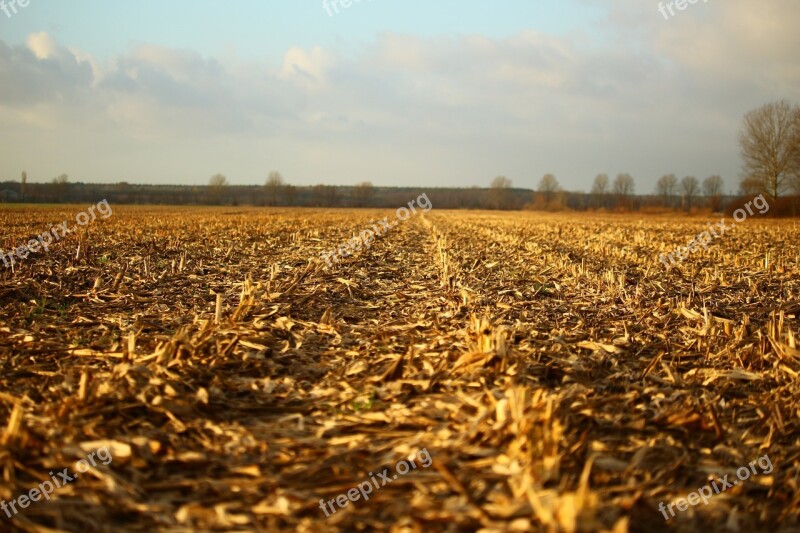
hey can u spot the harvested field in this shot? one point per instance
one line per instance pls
(558, 376)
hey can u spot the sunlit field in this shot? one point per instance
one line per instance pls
(556, 373)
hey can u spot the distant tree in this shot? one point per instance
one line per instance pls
(325, 195)
(623, 188)
(712, 186)
(122, 191)
(274, 187)
(289, 194)
(751, 186)
(363, 193)
(501, 192)
(666, 187)
(600, 190)
(623, 185)
(59, 187)
(690, 187)
(501, 182)
(23, 184)
(770, 148)
(216, 188)
(549, 186)
(218, 180)
(473, 198)
(600, 185)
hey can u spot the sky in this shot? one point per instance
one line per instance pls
(400, 93)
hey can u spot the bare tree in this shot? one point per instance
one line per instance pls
(501, 182)
(289, 194)
(549, 186)
(218, 180)
(59, 186)
(770, 147)
(690, 187)
(363, 193)
(712, 186)
(325, 195)
(600, 185)
(794, 181)
(750, 186)
(623, 188)
(501, 192)
(122, 191)
(216, 187)
(274, 187)
(623, 185)
(600, 190)
(666, 187)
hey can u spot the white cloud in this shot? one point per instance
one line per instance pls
(42, 45)
(641, 95)
(307, 69)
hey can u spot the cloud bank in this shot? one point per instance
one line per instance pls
(634, 94)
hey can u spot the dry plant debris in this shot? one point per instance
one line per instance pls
(560, 378)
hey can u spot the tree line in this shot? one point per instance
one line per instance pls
(769, 144)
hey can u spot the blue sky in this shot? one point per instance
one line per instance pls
(408, 93)
(268, 27)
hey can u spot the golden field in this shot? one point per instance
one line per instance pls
(559, 376)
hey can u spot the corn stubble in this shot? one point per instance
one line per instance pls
(559, 376)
